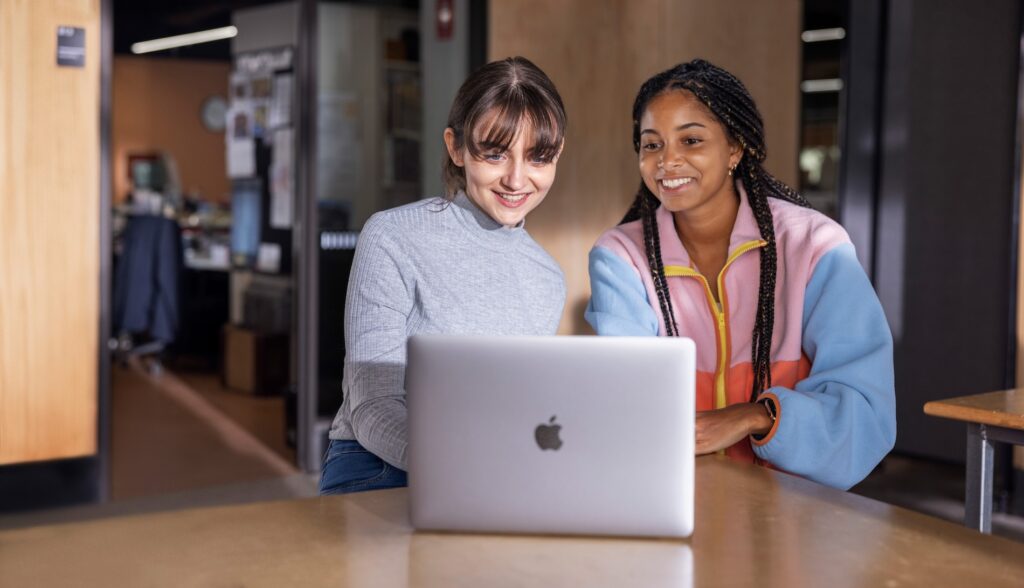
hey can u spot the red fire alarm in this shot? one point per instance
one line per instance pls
(445, 17)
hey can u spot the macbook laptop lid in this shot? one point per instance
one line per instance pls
(563, 435)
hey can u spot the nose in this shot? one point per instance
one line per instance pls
(515, 175)
(671, 157)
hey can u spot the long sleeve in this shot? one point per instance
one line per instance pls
(618, 301)
(432, 267)
(376, 312)
(840, 421)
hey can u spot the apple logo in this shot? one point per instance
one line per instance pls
(547, 435)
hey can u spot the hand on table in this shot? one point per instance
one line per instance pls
(724, 427)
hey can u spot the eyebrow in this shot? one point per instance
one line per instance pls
(679, 128)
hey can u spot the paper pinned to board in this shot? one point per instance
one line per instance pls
(268, 258)
(241, 159)
(240, 142)
(282, 180)
(281, 102)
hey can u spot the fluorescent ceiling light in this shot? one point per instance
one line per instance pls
(828, 85)
(183, 40)
(819, 35)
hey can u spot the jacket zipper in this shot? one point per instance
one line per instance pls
(719, 311)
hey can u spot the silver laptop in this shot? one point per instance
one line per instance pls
(562, 435)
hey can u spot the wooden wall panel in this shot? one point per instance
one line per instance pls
(760, 43)
(598, 54)
(156, 107)
(49, 233)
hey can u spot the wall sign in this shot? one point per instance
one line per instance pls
(445, 18)
(70, 46)
(264, 61)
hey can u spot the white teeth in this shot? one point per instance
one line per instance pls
(675, 183)
(512, 197)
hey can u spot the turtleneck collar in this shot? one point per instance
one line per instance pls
(482, 226)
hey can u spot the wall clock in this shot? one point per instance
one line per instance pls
(214, 113)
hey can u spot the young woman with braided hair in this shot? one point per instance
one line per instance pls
(794, 355)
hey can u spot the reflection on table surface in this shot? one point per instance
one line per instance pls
(753, 526)
(464, 560)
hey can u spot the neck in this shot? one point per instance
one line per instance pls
(706, 230)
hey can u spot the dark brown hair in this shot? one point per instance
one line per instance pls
(730, 102)
(515, 91)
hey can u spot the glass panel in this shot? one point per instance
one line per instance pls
(368, 148)
(821, 88)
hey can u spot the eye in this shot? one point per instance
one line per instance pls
(494, 156)
(692, 141)
(651, 146)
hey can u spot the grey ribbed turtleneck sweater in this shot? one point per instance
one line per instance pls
(429, 267)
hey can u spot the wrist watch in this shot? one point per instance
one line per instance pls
(770, 408)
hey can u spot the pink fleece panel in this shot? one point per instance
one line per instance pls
(690, 303)
(802, 237)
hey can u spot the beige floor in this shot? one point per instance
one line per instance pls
(183, 441)
(169, 438)
(263, 416)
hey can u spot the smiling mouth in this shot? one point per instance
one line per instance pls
(673, 183)
(512, 200)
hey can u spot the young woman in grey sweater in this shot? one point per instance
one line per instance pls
(462, 264)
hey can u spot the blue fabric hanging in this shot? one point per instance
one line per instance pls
(147, 278)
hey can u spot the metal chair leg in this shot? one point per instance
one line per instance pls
(978, 505)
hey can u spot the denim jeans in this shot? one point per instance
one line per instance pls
(349, 467)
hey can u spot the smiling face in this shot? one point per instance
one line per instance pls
(685, 154)
(509, 182)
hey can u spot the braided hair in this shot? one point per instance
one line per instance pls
(730, 102)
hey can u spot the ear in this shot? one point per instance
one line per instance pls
(453, 152)
(735, 154)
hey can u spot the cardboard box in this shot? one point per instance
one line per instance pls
(255, 362)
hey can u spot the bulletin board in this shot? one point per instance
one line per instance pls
(260, 144)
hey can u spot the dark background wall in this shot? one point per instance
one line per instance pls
(944, 263)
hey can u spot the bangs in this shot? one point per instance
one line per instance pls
(516, 111)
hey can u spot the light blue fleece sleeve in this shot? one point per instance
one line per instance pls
(618, 300)
(840, 421)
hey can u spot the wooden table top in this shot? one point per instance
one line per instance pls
(754, 527)
(1002, 409)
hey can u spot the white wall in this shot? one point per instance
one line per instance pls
(266, 27)
(349, 108)
(445, 64)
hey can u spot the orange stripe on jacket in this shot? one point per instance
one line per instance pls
(738, 382)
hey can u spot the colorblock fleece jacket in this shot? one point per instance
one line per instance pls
(831, 354)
